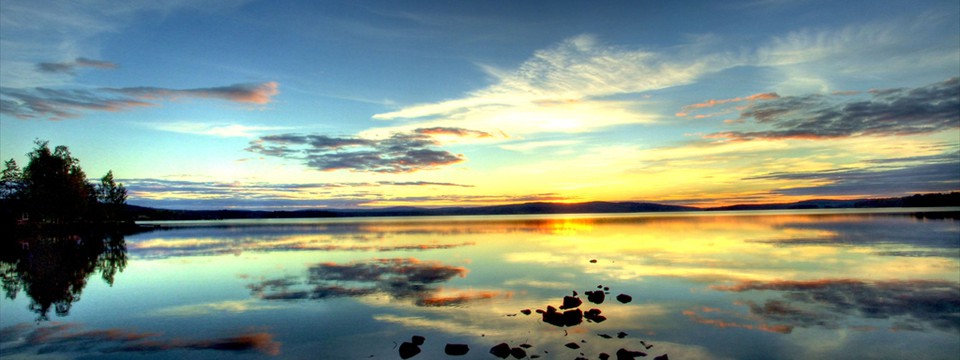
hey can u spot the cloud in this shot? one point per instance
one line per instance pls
(258, 93)
(399, 153)
(889, 112)
(941, 175)
(420, 183)
(559, 89)
(69, 67)
(71, 338)
(58, 104)
(685, 110)
(214, 129)
(459, 132)
(207, 195)
(826, 302)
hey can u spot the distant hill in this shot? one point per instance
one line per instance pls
(595, 207)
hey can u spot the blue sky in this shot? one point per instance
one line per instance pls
(272, 105)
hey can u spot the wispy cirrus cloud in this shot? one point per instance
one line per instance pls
(888, 112)
(181, 194)
(70, 66)
(214, 129)
(560, 89)
(58, 104)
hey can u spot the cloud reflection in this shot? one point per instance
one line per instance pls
(72, 337)
(830, 303)
(399, 278)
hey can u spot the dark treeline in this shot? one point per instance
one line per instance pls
(919, 200)
(52, 191)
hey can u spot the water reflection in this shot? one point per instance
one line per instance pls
(914, 305)
(74, 338)
(703, 286)
(398, 278)
(53, 269)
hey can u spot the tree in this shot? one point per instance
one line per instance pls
(11, 182)
(112, 197)
(52, 188)
(56, 188)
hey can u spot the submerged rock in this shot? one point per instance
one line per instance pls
(456, 349)
(570, 302)
(418, 340)
(518, 353)
(409, 350)
(595, 297)
(501, 350)
(594, 315)
(624, 354)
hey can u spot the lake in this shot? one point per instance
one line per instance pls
(859, 284)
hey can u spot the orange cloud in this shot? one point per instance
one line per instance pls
(684, 111)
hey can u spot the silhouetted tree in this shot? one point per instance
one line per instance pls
(11, 182)
(52, 188)
(56, 188)
(112, 198)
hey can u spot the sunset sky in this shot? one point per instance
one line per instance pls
(309, 104)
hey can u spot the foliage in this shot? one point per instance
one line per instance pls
(53, 188)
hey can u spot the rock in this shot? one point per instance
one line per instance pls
(572, 345)
(526, 346)
(456, 349)
(604, 356)
(518, 353)
(624, 298)
(525, 311)
(662, 357)
(594, 315)
(621, 335)
(418, 340)
(408, 350)
(570, 302)
(624, 354)
(595, 297)
(572, 317)
(605, 336)
(501, 350)
(593, 261)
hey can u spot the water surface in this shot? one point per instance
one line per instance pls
(740, 285)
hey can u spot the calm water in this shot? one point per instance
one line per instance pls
(790, 285)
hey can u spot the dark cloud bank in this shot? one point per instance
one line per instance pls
(59, 104)
(69, 67)
(399, 153)
(926, 109)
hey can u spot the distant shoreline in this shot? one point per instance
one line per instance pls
(141, 214)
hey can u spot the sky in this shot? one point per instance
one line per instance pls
(284, 105)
